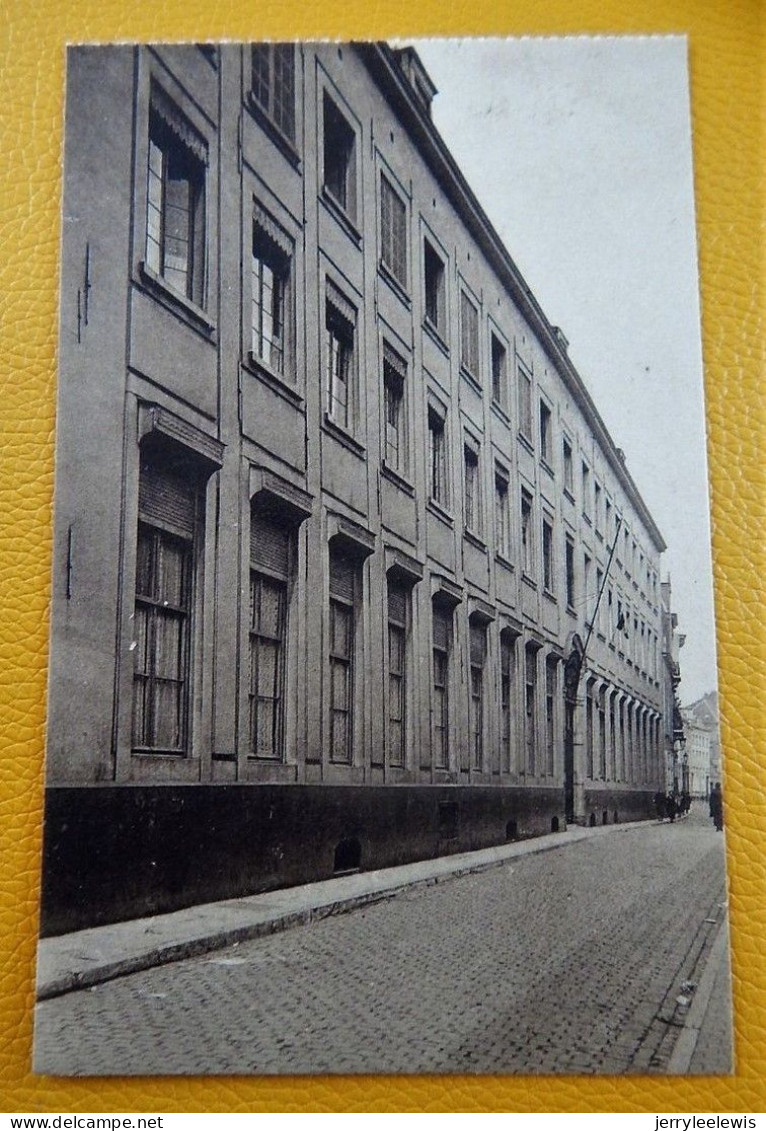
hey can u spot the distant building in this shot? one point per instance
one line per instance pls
(348, 570)
(701, 728)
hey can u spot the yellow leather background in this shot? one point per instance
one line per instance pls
(727, 69)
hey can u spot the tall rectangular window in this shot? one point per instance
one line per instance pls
(162, 616)
(607, 518)
(551, 667)
(588, 600)
(499, 372)
(339, 158)
(270, 561)
(527, 536)
(273, 84)
(502, 515)
(442, 647)
(271, 293)
(343, 598)
(398, 608)
(469, 335)
(506, 692)
(437, 454)
(597, 496)
(570, 553)
(167, 510)
(524, 389)
(478, 649)
(393, 231)
(568, 467)
(548, 563)
(340, 321)
(175, 221)
(586, 500)
(530, 706)
(600, 614)
(394, 376)
(473, 508)
(435, 289)
(546, 428)
(601, 707)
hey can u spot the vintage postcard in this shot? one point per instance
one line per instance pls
(383, 721)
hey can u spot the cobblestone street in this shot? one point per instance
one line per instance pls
(569, 961)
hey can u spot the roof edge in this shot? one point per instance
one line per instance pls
(382, 62)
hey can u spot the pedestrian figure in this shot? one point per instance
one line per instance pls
(659, 804)
(716, 806)
(670, 807)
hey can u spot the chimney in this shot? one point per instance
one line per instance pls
(417, 76)
(561, 338)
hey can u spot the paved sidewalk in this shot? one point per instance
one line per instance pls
(663, 1022)
(98, 954)
(705, 1045)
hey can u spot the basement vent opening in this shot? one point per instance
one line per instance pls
(348, 856)
(605, 818)
(449, 817)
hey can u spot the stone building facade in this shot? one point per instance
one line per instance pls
(701, 733)
(674, 741)
(348, 570)
(698, 755)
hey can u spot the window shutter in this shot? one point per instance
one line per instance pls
(341, 306)
(442, 625)
(393, 362)
(269, 229)
(397, 604)
(342, 576)
(478, 644)
(167, 500)
(166, 112)
(505, 656)
(270, 545)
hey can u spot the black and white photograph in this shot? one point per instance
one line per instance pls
(383, 730)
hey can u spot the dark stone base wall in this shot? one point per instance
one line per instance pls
(121, 852)
(618, 806)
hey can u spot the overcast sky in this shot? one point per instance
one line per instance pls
(579, 150)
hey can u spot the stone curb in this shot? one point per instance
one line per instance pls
(381, 885)
(686, 1044)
